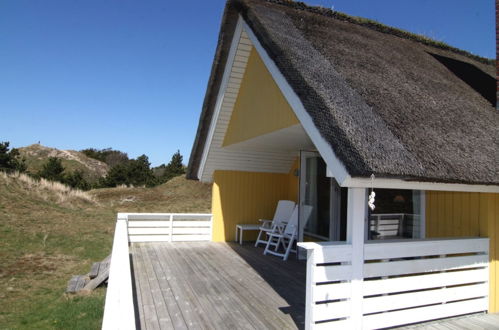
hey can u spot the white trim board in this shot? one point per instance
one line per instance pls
(221, 93)
(416, 185)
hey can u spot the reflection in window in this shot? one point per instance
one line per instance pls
(397, 215)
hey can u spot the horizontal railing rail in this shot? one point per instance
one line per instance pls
(119, 312)
(169, 227)
(403, 282)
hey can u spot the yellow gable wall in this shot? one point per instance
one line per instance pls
(457, 214)
(244, 197)
(260, 107)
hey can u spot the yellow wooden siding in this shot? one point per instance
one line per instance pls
(462, 214)
(244, 197)
(260, 107)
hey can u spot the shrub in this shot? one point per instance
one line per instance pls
(52, 170)
(76, 180)
(109, 156)
(136, 172)
(11, 161)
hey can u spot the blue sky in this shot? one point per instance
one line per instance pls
(132, 75)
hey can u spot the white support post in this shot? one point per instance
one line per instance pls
(309, 299)
(171, 227)
(356, 214)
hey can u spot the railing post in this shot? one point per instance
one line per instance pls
(356, 215)
(124, 217)
(171, 227)
(309, 299)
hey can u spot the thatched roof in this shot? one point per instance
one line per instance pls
(388, 102)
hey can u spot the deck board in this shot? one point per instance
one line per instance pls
(206, 285)
(192, 305)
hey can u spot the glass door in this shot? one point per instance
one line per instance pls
(315, 199)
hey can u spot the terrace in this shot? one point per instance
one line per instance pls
(167, 274)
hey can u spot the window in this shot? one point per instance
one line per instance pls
(397, 215)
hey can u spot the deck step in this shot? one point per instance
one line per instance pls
(94, 271)
(76, 283)
(99, 273)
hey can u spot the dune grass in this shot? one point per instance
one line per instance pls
(49, 232)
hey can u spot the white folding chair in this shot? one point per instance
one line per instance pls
(287, 236)
(282, 214)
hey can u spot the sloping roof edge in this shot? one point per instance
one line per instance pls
(227, 28)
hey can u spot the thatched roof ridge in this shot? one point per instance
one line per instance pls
(392, 106)
(377, 26)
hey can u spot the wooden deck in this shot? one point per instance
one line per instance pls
(472, 322)
(204, 285)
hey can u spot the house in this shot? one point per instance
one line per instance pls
(310, 105)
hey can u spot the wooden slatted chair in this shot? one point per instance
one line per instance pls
(287, 236)
(282, 214)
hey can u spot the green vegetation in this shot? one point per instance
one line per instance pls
(134, 172)
(36, 157)
(109, 156)
(10, 160)
(53, 170)
(174, 168)
(76, 180)
(50, 232)
(90, 168)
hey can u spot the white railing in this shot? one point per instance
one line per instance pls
(395, 225)
(119, 312)
(403, 282)
(169, 227)
(329, 276)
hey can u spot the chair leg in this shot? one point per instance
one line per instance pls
(288, 248)
(267, 246)
(279, 241)
(258, 238)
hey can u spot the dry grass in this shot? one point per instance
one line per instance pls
(177, 195)
(48, 189)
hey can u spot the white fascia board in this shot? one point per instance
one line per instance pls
(417, 185)
(221, 93)
(335, 166)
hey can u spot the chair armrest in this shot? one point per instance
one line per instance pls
(266, 223)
